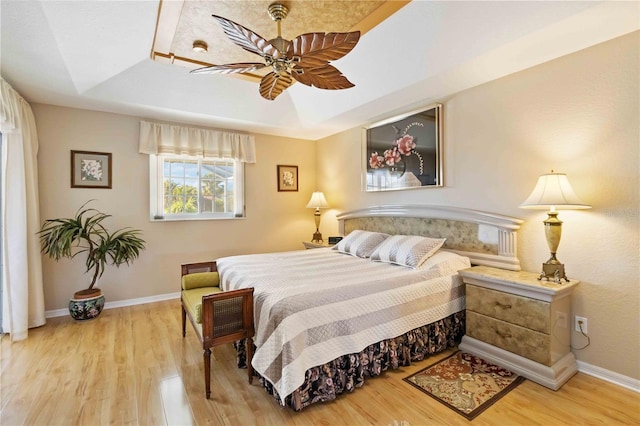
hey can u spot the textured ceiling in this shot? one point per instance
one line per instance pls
(180, 23)
(97, 55)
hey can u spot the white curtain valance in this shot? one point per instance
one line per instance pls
(158, 138)
(11, 107)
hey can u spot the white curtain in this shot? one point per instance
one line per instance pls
(158, 138)
(22, 290)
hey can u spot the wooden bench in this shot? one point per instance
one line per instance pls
(218, 317)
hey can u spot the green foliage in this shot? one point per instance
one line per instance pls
(85, 233)
(180, 198)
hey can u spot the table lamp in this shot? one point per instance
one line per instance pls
(317, 202)
(553, 191)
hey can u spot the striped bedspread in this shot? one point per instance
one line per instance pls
(312, 306)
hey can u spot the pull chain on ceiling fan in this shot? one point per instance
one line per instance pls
(305, 58)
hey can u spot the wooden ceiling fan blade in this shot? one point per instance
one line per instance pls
(317, 49)
(247, 39)
(327, 77)
(274, 84)
(309, 54)
(229, 68)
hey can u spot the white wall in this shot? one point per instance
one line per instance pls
(579, 115)
(275, 220)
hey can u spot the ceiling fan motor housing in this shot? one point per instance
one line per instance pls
(281, 44)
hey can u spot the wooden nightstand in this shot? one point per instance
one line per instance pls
(311, 245)
(520, 323)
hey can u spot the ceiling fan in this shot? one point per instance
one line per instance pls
(305, 58)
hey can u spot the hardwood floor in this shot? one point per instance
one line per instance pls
(131, 366)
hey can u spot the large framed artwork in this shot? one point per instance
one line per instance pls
(90, 169)
(404, 152)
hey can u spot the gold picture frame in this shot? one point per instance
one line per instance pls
(287, 178)
(90, 169)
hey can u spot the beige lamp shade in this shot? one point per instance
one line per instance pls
(317, 201)
(553, 191)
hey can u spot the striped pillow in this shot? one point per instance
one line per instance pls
(360, 243)
(407, 250)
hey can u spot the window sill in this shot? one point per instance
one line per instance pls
(193, 219)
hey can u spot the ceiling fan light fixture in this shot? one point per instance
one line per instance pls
(200, 46)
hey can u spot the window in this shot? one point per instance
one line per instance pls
(187, 188)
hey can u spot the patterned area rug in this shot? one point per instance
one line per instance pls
(465, 383)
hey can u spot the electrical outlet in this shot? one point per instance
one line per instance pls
(581, 322)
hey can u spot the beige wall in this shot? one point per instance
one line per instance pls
(578, 115)
(275, 220)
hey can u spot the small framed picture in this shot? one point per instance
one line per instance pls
(287, 178)
(90, 169)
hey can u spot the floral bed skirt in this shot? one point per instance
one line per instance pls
(325, 382)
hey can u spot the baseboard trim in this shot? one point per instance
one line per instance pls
(609, 376)
(119, 303)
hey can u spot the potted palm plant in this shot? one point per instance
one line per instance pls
(85, 234)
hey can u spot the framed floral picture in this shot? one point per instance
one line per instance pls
(287, 178)
(404, 151)
(90, 169)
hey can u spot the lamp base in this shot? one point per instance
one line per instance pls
(553, 271)
(317, 237)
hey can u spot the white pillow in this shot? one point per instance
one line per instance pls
(446, 262)
(406, 250)
(360, 243)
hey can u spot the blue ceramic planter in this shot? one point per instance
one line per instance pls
(86, 309)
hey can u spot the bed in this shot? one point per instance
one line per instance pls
(328, 318)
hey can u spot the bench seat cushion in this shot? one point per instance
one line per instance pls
(193, 300)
